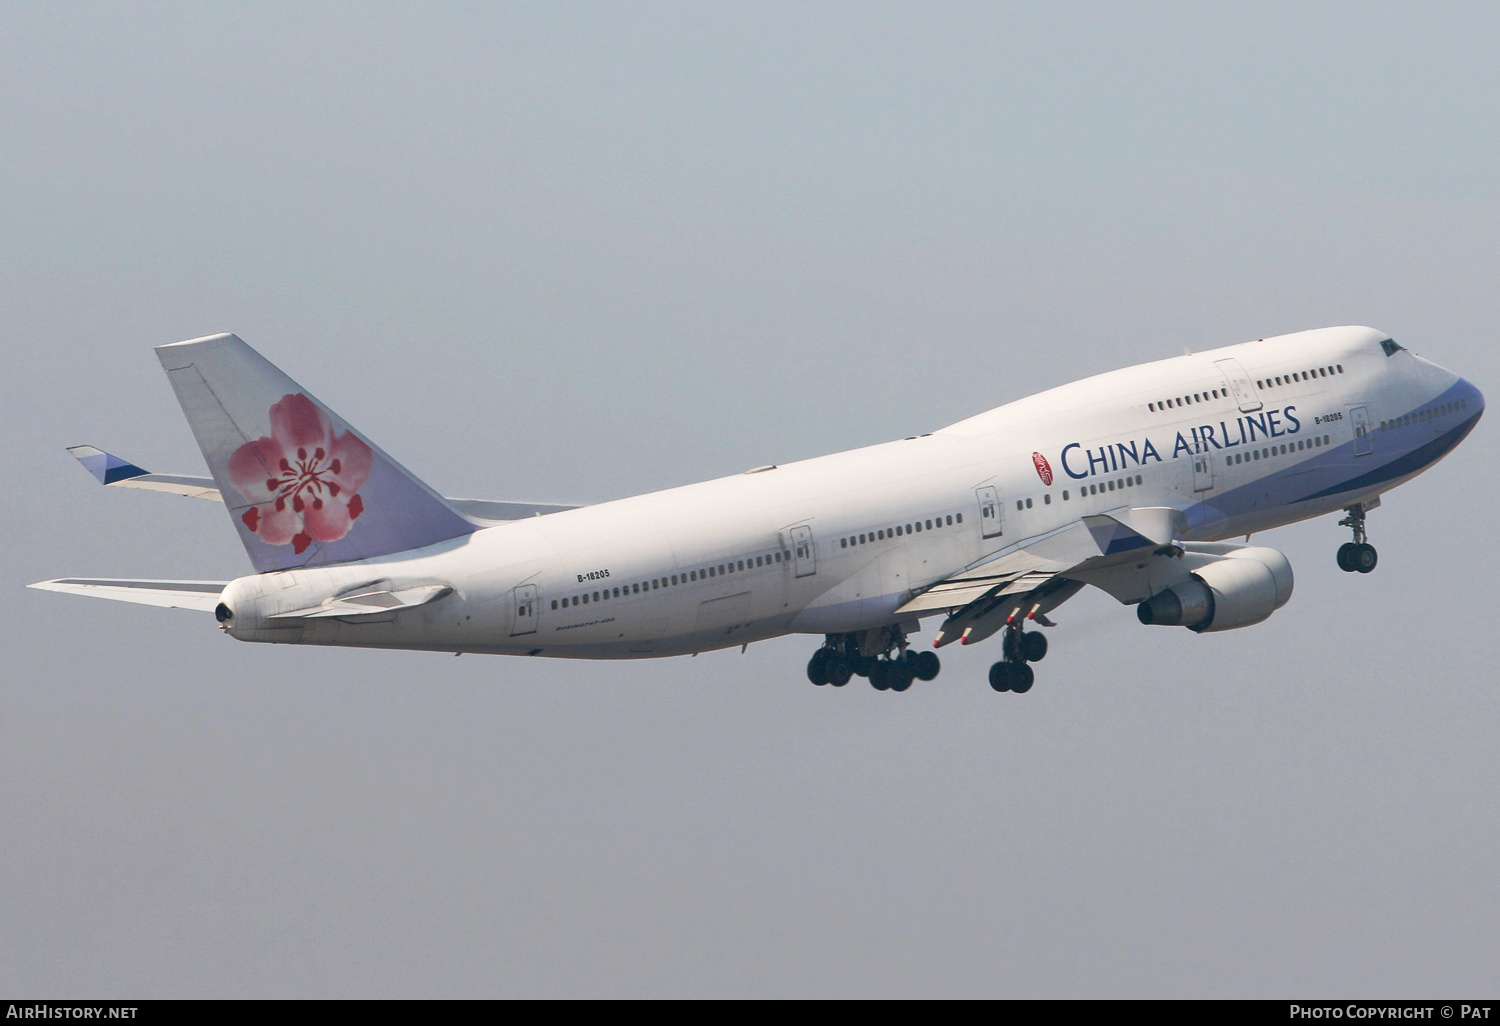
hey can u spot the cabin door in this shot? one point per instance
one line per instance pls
(1203, 472)
(803, 557)
(990, 522)
(1240, 384)
(1360, 418)
(526, 598)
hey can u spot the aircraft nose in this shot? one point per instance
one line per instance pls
(1471, 397)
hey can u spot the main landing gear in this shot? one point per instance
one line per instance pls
(1021, 647)
(1357, 556)
(881, 656)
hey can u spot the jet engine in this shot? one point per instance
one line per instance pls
(1244, 587)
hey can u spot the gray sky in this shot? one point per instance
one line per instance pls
(572, 252)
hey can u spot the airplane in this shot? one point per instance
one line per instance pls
(1133, 481)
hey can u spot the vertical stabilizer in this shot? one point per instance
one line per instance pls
(302, 486)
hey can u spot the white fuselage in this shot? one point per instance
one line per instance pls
(839, 543)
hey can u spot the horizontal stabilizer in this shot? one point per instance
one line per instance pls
(120, 473)
(370, 602)
(203, 595)
(110, 469)
(107, 468)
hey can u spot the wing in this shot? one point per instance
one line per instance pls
(120, 473)
(1033, 577)
(200, 595)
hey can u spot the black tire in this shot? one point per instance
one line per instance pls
(817, 666)
(1001, 676)
(900, 674)
(1365, 557)
(839, 671)
(880, 677)
(926, 665)
(1034, 646)
(1025, 676)
(1346, 557)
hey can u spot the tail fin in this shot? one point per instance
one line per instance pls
(303, 487)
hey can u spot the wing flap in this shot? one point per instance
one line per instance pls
(1096, 540)
(199, 595)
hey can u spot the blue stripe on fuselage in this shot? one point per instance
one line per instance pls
(1329, 472)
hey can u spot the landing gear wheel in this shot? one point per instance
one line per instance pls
(879, 676)
(1017, 677)
(926, 665)
(899, 674)
(1033, 646)
(1025, 676)
(817, 666)
(1346, 557)
(838, 671)
(1003, 676)
(1364, 558)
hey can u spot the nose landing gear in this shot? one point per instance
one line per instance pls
(1357, 556)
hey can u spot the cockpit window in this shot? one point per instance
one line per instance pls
(1390, 347)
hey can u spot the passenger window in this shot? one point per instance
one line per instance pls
(1047, 499)
(960, 518)
(1028, 502)
(1111, 486)
(1065, 495)
(554, 603)
(1018, 504)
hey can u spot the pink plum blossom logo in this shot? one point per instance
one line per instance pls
(303, 479)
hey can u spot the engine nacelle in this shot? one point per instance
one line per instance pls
(1243, 588)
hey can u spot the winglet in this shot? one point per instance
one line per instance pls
(106, 468)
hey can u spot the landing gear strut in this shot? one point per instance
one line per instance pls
(881, 655)
(1357, 556)
(1021, 647)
